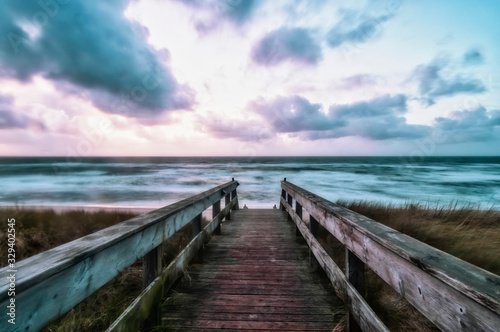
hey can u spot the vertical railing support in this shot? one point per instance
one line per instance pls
(283, 194)
(196, 229)
(151, 268)
(355, 272)
(298, 210)
(289, 200)
(215, 212)
(314, 228)
(227, 202)
(151, 265)
(233, 196)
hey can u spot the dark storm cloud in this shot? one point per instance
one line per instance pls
(89, 45)
(287, 44)
(468, 126)
(433, 83)
(356, 28)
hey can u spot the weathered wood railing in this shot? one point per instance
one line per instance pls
(453, 294)
(53, 282)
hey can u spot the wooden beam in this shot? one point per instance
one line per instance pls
(234, 195)
(227, 202)
(453, 294)
(51, 283)
(151, 268)
(355, 273)
(358, 307)
(138, 311)
(283, 195)
(215, 212)
(298, 210)
(196, 229)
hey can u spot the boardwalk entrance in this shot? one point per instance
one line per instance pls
(255, 276)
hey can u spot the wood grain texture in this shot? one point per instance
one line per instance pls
(51, 283)
(255, 276)
(148, 301)
(364, 316)
(453, 294)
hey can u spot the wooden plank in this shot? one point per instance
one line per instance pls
(51, 283)
(248, 325)
(254, 317)
(138, 311)
(360, 310)
(453, 294)
(242, 285)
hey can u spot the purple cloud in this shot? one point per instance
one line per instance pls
(287, 44)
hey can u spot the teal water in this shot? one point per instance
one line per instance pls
(158, 181)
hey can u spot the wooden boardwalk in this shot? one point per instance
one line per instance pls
(254, 276)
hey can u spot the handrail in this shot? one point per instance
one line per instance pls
(453, 294)
(52, 282)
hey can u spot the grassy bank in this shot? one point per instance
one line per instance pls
(466, 232)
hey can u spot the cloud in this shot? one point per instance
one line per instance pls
(380, 106)
(12, 120)
(468, 126)
(473, 57)
(293, 44)
(90, 49)
(380, 118)
(435, 80)
(292, 114)
(236, 12)
(356, 27)
(244, 131)
(358, 81)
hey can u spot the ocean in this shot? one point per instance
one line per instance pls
(152, 182)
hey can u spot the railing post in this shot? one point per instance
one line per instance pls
(355, 272)
(314, 228)
(151, 268)
(196, 229)
(233, 196)
(298, 210)
(283, 194)
(289, 200)
(215, 212)
(228, 201)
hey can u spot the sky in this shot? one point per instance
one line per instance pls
(249, 78)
